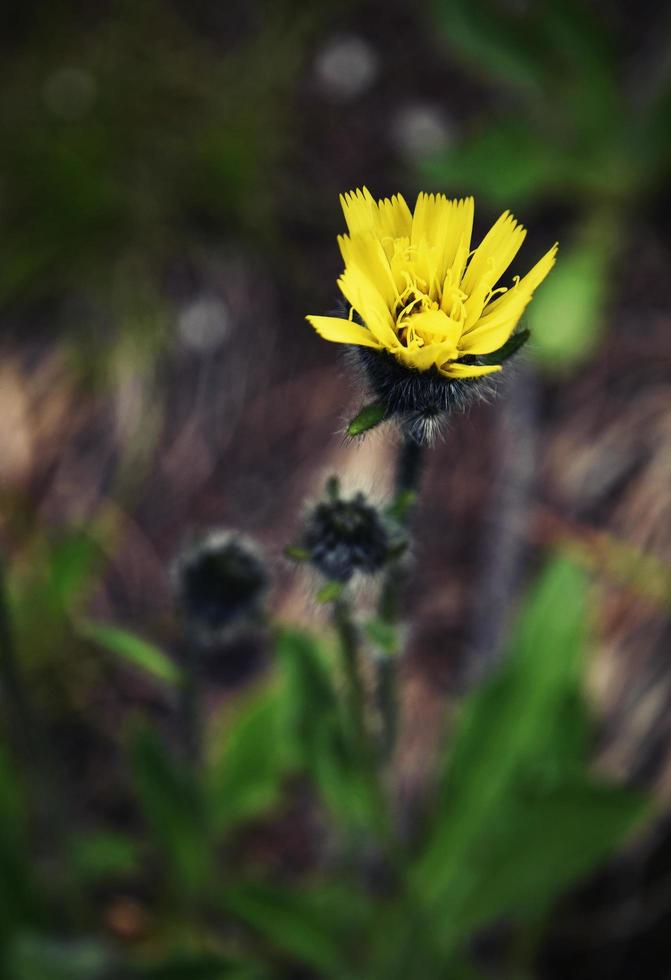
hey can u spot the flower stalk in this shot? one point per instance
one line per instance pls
(346, 630)
(350, 649)
(409, 468)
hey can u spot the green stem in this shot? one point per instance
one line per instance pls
(409, 468)
(408, 476)
(356, 699)
(349, 647)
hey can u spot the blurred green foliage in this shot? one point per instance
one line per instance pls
(576, 131)
(514, 817)
(129, 129)
(566, 316)
(134, 649)
(569, 129)
(520, 752)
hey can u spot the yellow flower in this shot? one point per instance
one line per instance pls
(417, 290)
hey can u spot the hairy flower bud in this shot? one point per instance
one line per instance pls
(419, 400)
(344, 536)
(221, 583)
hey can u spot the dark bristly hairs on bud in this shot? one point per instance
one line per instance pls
(343, 536)
(221, 583)
(420, 401)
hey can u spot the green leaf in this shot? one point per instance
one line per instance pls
(512, 724)
(493, 42)
(402, 942)
(296, 553)
(103, 855)
(566, 315)
(313, 925)
(333, 488)
(249, 768)
(383, 634)
(584, 52)
(132, 648)
(329, 592)
(511, 716)
(369, 416)
(547, 843)
(204, 966)
(397, 551)
(35, 956)
(518, 817)
(507, 163)
(60, 571)
(321, 738)
(401, 506)
(340, 779)
(74, 558)
(173, 807)
(307, 677)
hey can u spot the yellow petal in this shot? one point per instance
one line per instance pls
(425, 258)
(342, 331)
(364, 254)
(422, 358)
(360, 211)
(430, 226)
(454, 370)
(364, 296)
(497, 262)
(399, 262)
(458, 236)
(436, 325)
(394, 218)
(387, 219)
(511, 304)
(502, 316)
(424, 265)
(430, 219)
(495, 253)
(451, 289)
(486, 339)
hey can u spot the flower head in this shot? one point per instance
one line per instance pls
(221, 582)
(418, 292)
(343, 536)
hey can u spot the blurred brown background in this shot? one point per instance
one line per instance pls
(169, 180)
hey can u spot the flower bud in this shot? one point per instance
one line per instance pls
(344, 536)
(421, 401)
(221, 582)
